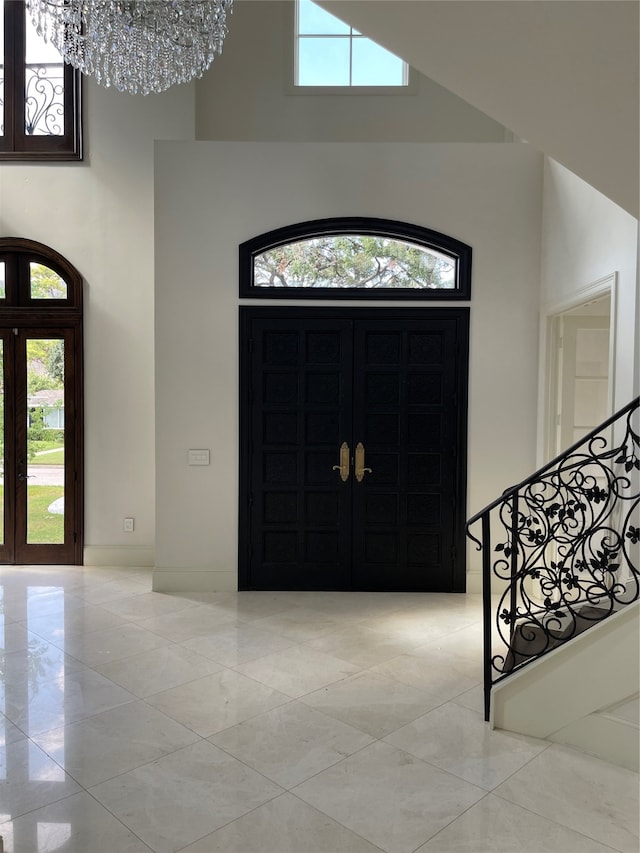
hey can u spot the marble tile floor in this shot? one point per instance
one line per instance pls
(272, 723)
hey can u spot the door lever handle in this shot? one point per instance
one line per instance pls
(360, 467)
(343, 467)
(21, 475)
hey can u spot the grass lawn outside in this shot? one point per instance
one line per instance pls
(38, 445)
(53, 455)
(43, 527)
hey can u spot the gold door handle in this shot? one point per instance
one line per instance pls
(360, 469)
(343, 467)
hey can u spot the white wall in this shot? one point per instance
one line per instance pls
(210, 196)
(586, 237)
(562, 75)
(248, 94)
(99, 214)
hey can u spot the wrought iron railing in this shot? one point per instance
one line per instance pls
(560, 551)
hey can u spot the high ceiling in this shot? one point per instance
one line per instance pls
(562, 74)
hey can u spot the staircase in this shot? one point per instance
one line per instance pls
(611, 733)
(561, 587)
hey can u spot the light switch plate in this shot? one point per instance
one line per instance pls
(199, 457)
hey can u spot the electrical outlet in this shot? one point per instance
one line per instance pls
(128, 525)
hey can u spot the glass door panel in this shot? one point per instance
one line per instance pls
(45, 441)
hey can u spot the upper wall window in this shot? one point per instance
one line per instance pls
(39, 94)
(355, 258)
(331, 53)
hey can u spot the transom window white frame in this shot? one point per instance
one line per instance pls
(330, 55)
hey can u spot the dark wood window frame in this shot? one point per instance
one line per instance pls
(16, 143)
(422, 237)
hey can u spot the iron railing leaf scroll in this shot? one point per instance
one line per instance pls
(567, 546)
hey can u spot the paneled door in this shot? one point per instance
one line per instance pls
(353, 449)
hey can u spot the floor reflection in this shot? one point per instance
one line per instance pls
(135, 722)
(32, 699)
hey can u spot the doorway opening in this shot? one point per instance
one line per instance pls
(579, 366)
(41, 453)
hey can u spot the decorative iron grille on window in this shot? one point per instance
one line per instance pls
(40, 103)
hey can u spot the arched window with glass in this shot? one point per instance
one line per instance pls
(355, 258)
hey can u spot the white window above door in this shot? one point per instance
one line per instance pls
(330, 53)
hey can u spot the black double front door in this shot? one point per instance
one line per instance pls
(353, 447)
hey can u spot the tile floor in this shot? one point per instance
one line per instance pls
(272, 723)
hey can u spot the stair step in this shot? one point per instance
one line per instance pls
(530, 640)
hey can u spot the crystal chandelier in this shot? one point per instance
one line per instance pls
(137, 46)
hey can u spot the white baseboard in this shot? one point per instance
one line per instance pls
(191, 579)
(614, 740)
(109, 555)
(194, 580)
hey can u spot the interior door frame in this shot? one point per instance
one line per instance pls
(248, 313)
(548, 372)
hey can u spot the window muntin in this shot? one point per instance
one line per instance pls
(40, 109)
(331, 53)
(355, 258)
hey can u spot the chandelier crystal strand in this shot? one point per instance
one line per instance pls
(137, 46)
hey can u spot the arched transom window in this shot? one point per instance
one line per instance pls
(355, 258)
